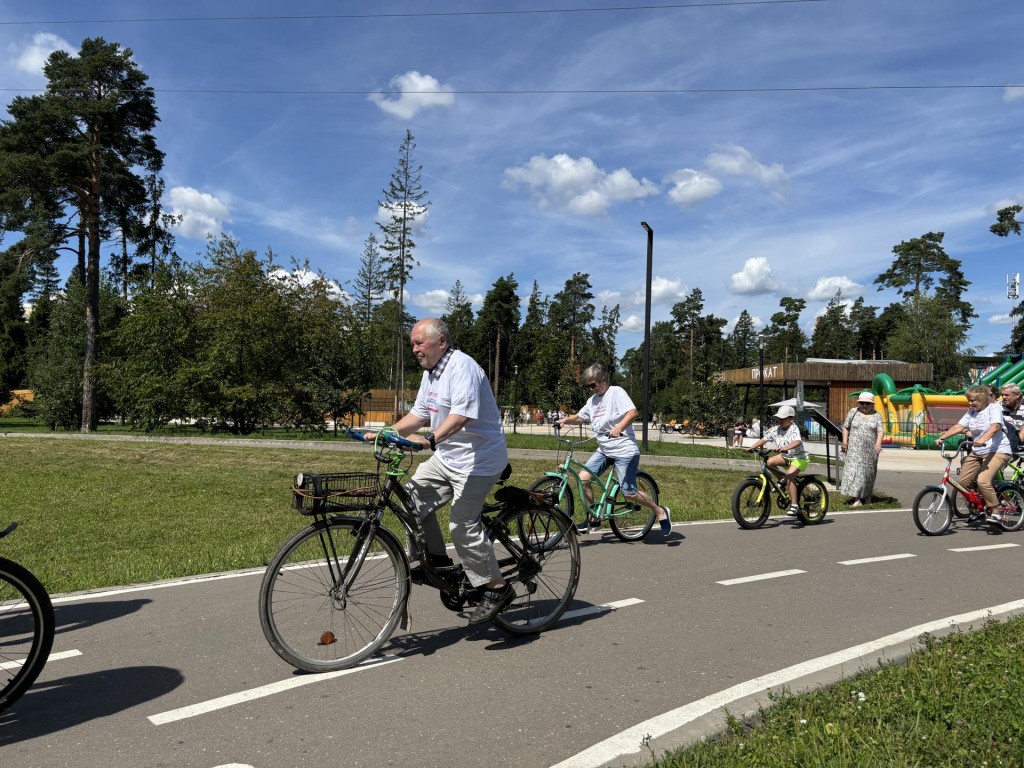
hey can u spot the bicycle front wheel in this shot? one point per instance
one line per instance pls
(26, 630)
(812, 498)
(310, 618)
(1011, 506)
(539, 556)
(630, 520)
(750, 504)
(932, 513)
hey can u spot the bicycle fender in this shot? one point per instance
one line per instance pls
(382, 533)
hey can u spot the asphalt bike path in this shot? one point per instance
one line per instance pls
(179, 674)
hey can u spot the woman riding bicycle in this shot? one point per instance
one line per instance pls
(611, 412)
(792, 455)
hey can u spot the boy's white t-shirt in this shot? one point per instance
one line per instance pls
(462, 388)
(787, 437)
(603, 412)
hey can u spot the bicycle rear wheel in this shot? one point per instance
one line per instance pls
(812, 498)
(1011, 506)
(631, 521)
(751, 506)
(539, 556)
(308, 620)
(26, 630)
(932, 514)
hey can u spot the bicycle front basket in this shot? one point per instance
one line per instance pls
(318, 493)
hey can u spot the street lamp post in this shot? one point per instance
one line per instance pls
(515, 397)
(647, 332)
(760, 383)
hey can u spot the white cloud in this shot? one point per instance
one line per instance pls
(1006, 202)
(434, 302)
(33, 56)
(690, 187)
(663, 291)
(633, 324)
(826, 288)
(417, 215)
(755, 278)
(201, 213)
(577, 186)
(416, 91)
(1000, 320)
(737, 161)
(1013, 93)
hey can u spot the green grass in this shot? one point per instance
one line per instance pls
(98, 513)
(956, 702)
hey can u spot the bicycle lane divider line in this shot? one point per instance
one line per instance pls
(983, 547)
(631, 740)
(181, 582)
(879, 559)
(230, 700)
(52, 657)
(760, 577)
(602, 608)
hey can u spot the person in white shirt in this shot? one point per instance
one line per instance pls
(456, 402)
(991, 449)
(610, 413)
(793, 456)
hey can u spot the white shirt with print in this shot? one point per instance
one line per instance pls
(978, 421)
(787, 437)
(462, 389)
(603, 412)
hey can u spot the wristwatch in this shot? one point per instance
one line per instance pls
(430, 439)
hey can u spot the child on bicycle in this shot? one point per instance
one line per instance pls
(610, 412)
(792, 454)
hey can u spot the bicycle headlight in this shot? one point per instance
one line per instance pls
(300, 480)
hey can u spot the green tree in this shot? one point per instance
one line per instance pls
(13, 325)
(834, 335)
(496, 328)
(571, 313)
(63, 156)
(866, 329)
(405, 201)
(458, 316)
(785, 339)
(687, 315)
(918, 261)
(742, 342)
(1006, 224)
(928, 333)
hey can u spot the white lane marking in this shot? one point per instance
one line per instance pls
(603, 608)
(52, 657)
(264, 690)
(983, 548)
(234, 765)
(158, 585)
(879, 559)
(760, 577)
(631, 740)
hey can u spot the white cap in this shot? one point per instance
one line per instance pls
(785, 412)
(865, 397)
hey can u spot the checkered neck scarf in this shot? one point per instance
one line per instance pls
(437, 370)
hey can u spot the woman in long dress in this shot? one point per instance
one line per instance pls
(862, 442)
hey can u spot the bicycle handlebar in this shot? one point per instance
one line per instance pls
(387, 435)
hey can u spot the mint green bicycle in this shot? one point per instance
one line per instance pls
(628, 520)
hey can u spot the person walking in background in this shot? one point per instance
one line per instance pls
(862, 443)
(610, 412)
(991, 449)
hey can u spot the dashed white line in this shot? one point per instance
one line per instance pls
(760, 577)
(603, 608)
(264, 690)
(983, 548)
(879, 559)
(52, 657)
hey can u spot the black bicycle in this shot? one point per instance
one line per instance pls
(338, 589)
(752, 499)
(26, 628)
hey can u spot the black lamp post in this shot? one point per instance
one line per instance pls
(515, 397)
(647, 332)
(760, 383)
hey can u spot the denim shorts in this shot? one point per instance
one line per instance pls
(625, 468)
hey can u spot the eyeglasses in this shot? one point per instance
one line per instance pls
(592, 385)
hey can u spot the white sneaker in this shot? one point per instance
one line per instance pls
(792, 511)
(857, 503)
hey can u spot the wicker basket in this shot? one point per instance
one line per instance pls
(319, 493)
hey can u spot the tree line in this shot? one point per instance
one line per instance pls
(235, 340)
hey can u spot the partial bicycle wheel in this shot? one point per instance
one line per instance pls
(1011, 506)
(630, 520)
(751, 503)
(309, 619)
(933, 513)
(812, 498)
(26, 630)
(539, 555)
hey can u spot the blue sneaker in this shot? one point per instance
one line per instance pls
(666, 523)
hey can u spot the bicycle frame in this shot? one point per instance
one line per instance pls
(772, 482)
(599, 508)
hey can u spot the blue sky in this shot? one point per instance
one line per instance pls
(774, 148)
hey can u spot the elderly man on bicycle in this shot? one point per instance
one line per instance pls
(792, 455)
(456, 402)
(611, 412)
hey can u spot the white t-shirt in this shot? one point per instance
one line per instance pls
(462, 388)
(603, 412)
(978, 421)
(787, 437)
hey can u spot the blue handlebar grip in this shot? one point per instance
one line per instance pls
(349, 432)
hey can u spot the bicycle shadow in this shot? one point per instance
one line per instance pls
(56, 705)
